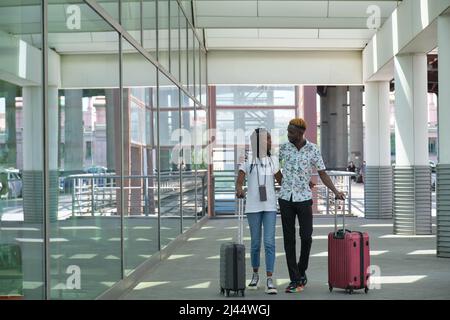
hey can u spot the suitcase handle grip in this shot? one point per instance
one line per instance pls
(335, 216)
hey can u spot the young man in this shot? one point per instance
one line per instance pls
(298, 157)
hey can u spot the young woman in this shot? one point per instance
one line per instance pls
(261, 205)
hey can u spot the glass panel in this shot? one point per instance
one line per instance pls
(183, 51)
(163, 33)
(141, 220)
(204, 96)
(200, 160)
(191, 64)
(174, 39)
(131, 18)
(197, 68)
(21, 151)
(256, 95)
(248, 120)
(187, 6)
(170, 160)
(149, 25)
(111, 6)
(188, 174)
(84, 128)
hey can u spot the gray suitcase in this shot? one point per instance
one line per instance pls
(232, 260)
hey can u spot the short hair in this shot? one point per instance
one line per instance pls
(299, 123)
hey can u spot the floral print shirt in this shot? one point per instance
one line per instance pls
(297, 170)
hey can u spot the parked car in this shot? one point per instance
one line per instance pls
(10, 183)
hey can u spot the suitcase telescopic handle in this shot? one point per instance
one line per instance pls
(335, 215)
(240, 212)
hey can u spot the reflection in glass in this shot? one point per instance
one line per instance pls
(256, 95)
(85, 170)
(163, 33)
(174, 39)
(170, 161)
(131, 18)
(21, 151)
(149, 25)
(140, 183)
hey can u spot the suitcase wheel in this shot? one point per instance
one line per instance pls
(366, 290)
(222, 291)
(330, 288)
(243, 293)
(227, 293)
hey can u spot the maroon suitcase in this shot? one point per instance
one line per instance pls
(348, 259)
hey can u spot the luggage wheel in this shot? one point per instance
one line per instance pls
(366, 290)
(242, 293)
(222, 291)
(330, 288)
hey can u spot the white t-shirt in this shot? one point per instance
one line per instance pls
(266, 166)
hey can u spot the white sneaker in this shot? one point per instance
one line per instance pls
(253, 285)
(271, 288)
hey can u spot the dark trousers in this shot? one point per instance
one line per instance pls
(303, 211)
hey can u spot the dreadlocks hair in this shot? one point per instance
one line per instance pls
(255, 139)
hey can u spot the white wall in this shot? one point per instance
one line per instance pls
(281, 67)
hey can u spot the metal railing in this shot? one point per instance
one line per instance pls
(99, 194)
(225, 202)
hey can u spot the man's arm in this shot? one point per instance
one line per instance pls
(329, 184)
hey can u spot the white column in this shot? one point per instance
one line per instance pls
(412, 174)
(411, 110)
(443, 168)
(444, 88)
(377, 118)
(378, 175)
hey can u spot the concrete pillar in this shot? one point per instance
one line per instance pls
(324, 130)
(378, 175)
(110, 127)
(412, 174)
(356, 125)
(332, 123)
(73, 130)
(338, 136)
(310, 112)
(443, 168)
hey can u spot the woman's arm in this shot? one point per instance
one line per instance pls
(239, 184)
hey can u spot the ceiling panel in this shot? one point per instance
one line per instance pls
(226, 8)
(359, 8)
(292, 8)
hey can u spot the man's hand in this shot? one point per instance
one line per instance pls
(340, 195)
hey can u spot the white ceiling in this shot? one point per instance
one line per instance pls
(229, 25)
(287, 25)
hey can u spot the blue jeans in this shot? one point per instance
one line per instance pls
(256, 222)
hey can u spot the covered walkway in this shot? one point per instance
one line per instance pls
(408, 265)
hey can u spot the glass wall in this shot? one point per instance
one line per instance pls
(120, 183)
(22, 151)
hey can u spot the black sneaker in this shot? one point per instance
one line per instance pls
(294, 287)
(303, 280)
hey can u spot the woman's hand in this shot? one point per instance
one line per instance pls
(312, 185)
(240, 194)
